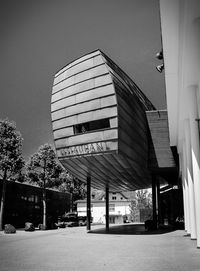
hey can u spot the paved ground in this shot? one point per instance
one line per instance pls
(126, 248)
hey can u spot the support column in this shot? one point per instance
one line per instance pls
(154, 200)
(188, 222)
(88, 203)
(158, 202)
(107, 209)
(184, 190)
(184, 204)
(195, 145)
(190, 180)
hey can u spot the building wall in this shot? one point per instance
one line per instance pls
(116, 208)
(180, 26)
(24, 204)
(95, 108)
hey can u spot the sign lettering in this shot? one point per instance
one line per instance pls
(85, 149)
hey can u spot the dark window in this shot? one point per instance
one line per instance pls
(111, 207)
(91, 126)
(31, 198)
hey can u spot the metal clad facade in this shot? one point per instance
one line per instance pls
(99, 124)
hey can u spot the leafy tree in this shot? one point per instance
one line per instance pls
(72, 185)
(134, 210)
(143, 200)
(44, 169)
(11, 159)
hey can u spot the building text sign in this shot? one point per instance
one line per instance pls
(85, 149)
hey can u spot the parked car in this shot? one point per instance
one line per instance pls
(70, 219)
(82, 220)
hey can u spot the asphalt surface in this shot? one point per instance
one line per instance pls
(127, 247)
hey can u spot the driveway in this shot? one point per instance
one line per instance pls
(75, 249)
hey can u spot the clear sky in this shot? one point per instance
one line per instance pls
(38, 37)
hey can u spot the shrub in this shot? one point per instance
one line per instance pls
(29, 226)
(9, 228)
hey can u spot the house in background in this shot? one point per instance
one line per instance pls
(119, 207)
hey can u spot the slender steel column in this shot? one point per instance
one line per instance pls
(154, 200)
(158, 201)
(88, 203)
(107, 208)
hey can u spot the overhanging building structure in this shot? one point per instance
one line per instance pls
(106, 131)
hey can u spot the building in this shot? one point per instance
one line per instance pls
(119, 208)
(23, 203)
(106, 131)
(180, 28)
(95, 109)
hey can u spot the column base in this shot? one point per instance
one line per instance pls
(187, 235)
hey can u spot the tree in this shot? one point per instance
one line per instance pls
(143, 200)
(11, 159)
(72, 185)
(44, 169)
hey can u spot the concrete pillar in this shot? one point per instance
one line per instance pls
(190, 179)
(193, 114)
(88, 203)
(184, 204)
(107, 209)
(184, 190)
(187, 218)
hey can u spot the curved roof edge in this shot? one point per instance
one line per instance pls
(77, 59)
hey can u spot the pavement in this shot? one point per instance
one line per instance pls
(125, 247)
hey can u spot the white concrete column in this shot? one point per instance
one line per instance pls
(193, 114)
(190, 179)
(187, 218)
(184, 190)
(185, 204)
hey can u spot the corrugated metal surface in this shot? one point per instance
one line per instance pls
(94, 88)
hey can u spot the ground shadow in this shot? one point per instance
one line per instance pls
(131, 229)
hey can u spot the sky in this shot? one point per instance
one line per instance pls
(38, 37)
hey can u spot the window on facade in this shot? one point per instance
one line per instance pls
(112, 220)
(31, 198)
(91, 126)
(36, 199)
(111, 207)
(114, 198)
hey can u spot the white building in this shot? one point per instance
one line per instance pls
(119, 208)
(180, 27)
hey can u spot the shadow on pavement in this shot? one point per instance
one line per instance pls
(131, 229)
